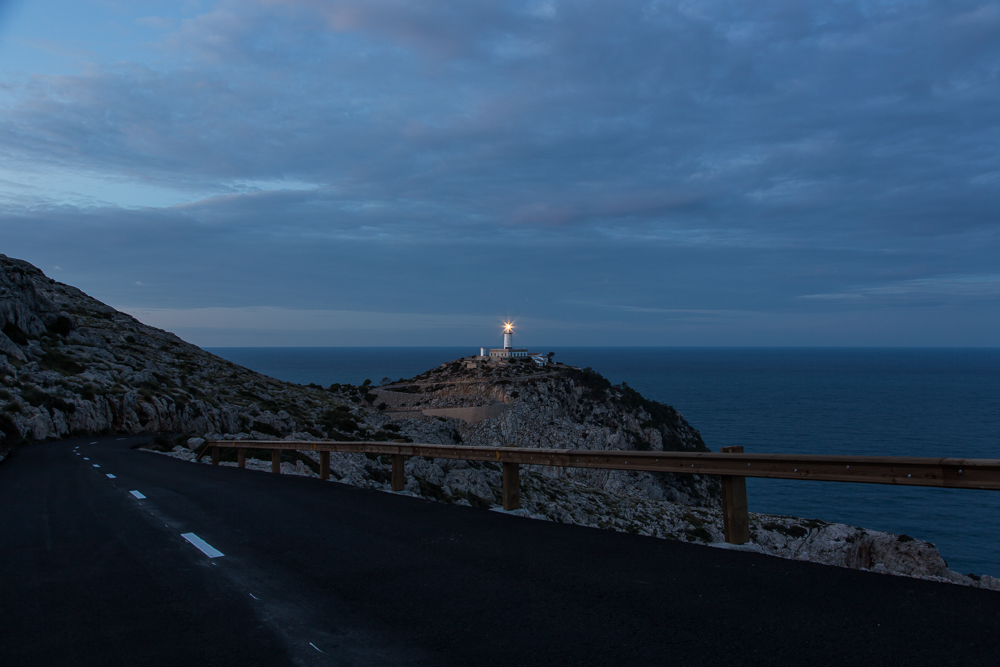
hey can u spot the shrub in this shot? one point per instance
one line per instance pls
(265, 428)
(14, 332)
(62, 326)
(11, 434)
(339, 419)
(41, 399)
(162, 443)
(54, 360)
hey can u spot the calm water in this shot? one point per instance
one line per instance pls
(903, 402)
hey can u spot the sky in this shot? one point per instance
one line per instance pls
(385, 172)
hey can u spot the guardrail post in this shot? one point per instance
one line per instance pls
(215, 456)
(241, 455)
(324, 465)
(276, 461)
(398, 472)
(511, 486)
(735, 518)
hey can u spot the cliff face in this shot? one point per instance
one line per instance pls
(71, 365)
(557, 406)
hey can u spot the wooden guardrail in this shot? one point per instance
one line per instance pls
(732, 464)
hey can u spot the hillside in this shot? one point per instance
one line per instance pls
(72, 366)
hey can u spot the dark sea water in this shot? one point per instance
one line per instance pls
(894, 402)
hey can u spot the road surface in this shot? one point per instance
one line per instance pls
(116, 556)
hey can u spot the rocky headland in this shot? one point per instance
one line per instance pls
(73, 366)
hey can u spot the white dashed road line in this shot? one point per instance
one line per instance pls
(96, 466)
(316, 647)
(94, 443)
(202, 545)
(86, 458)
(110, 476)
(137, 495)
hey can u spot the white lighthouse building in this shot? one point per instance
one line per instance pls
(508, 351)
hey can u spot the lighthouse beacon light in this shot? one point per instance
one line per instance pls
(508, 335)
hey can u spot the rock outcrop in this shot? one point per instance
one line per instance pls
(71, 365)
(557, 406)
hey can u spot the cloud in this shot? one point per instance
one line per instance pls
(271, 318)
(694, 157)
(950, 289)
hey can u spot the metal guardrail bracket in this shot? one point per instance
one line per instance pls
(735, 516)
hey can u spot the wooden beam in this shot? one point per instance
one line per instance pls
(511, 486)
(241, 456)
(216, 455)
(900, 470)
(276, 461)
(398, 472)
(324, 465)
(735, 517)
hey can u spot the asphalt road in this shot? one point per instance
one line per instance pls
(317, 573)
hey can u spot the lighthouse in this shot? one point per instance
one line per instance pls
(508, 351)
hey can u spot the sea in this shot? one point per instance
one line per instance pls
(941, 402)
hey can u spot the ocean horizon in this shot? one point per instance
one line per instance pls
(937, 402)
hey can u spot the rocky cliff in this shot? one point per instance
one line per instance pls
(71, 365)
(556, 406)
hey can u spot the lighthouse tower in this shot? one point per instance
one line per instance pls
(508, 335)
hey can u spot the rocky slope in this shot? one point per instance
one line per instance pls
(70, 365)
(558, 406)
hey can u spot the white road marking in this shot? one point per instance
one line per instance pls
(254, 596)
(316, 647)
(202, 545)
(94, 443)
(121, 438)
(137, 494)
(110, 476)
(86, 458)
(96, 466)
